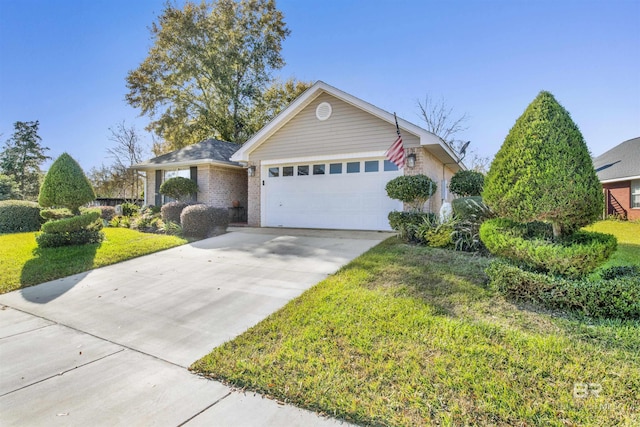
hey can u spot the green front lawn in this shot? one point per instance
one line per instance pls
(23, 264)
(628, 235)
(408, 335)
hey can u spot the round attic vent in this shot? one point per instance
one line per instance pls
(323, 111)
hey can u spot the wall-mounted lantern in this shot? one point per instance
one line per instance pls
(251, 171)
(411, 160)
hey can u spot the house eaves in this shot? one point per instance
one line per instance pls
(434, 144)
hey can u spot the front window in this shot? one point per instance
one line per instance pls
(635, 194)
(184, 173)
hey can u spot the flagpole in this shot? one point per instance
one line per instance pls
(397, 127)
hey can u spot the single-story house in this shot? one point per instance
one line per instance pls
(220, 181)
(319, 164)
(619, 172)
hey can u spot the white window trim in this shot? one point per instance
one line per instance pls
(318, 159)
(636, 193)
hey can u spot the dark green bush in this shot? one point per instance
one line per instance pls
(617, 297)
(414, 190)
(573, 256)
(466, 207)
(18, 216)
(179, 188)
(467, 183)
(88, 220)
(172, 210)
(130, 209)
(81, 237)
(406, 223)
(150, 208)
(620, 271)
(107, 212)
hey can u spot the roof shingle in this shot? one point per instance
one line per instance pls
(622, 161)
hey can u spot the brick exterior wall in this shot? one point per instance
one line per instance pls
(219, 187)
(430, 166)
(622, 192)
(253, 208)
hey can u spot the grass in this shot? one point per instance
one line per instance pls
(23, 264)
(408, 335)
(628, 235)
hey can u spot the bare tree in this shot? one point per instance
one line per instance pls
(439, 119)
(128, 151)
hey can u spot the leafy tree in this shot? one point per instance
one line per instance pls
(467, 183)
(179, 188)
(414, 190)
(22, 157)
(208, 65)
(8, 188)
(66, 185)
(274, 99)
(543, 171)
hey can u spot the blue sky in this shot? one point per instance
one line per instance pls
(64, 62)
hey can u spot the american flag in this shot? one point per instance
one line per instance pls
(395, 153)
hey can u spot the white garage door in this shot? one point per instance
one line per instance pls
(346, 194)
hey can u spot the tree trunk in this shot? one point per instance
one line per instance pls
(557, 230)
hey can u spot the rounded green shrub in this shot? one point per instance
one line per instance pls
(75, 223)
(613, 297)
(171, 211)
(179, 188)
(66, 185)
(574, 256)
(18, 216)
(467, 183)
(414, 190)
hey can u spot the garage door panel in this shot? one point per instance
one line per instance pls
(340, 201)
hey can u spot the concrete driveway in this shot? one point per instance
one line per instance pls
(111, 346)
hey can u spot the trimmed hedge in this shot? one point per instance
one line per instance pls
(172, 210)
(201, 220)
(81, 237)
(467, 183)
(414, 190)
(615, 297)
(179, 188)
(75, 223)
(19, 216)
(574, 256)
(55, 214)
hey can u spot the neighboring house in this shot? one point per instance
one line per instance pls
(619, 172)
(220, 181)
(321, 164)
